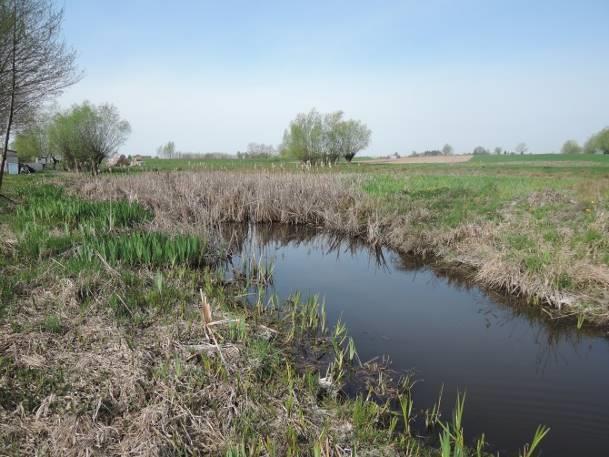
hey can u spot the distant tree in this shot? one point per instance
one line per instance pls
(598, 143)
(34, 61)
(260, 150)
(497, 150)
(304, 138)
(86, 134)
(32, 141)
(479, 150)
(167, 150)
(31, 144)
(354, 136)
(447, 150)
(521, 148)
(571, 147)
(315, 137)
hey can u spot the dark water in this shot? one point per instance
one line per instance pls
(517, 368)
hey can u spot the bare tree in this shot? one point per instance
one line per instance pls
(34, 61)
(522, 148)
(255, 150)
(480, 150)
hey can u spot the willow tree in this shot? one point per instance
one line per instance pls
(314, 137)
(86, 134)
(35, 63)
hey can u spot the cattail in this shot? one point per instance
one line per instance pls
(205, 309)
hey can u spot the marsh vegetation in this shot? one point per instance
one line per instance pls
(532, 236)
(138, 330)
(121, 283)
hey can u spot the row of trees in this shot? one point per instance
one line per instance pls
(83, 136)
(596, 144)
(521, 148)
(447, 150)
(35, 64)
(257, 151)
(315, 137)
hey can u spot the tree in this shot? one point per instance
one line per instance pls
(479, 150)
(34, 61)
(314, 137)
(521, 148)
(259, 150)
(344, 138)
(31, 143)
(497, 150)
(32, 140)
(86, 134)
(571, 147)
(304, 138)
(598, 143)
(447, 150)
(167, 150)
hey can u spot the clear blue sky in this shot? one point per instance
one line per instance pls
(214, 76)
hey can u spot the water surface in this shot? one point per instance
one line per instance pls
(518, 369)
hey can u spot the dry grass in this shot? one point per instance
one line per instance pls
(424, 159)
(337, 202)
(97, 388)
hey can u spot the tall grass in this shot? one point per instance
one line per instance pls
(147, 248)
(49, 205)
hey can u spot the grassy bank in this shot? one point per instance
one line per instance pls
(119, 338)
(535, 236)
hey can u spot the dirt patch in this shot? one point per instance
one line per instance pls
(423, 159)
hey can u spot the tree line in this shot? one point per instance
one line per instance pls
(596, 144)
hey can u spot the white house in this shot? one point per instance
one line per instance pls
(11, 166)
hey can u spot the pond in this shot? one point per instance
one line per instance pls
(517, 368)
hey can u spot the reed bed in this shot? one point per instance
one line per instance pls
(442, 223)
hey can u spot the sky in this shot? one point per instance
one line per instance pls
(215, 76)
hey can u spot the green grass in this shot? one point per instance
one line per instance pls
(145, 248)
(550, 165)
(49, 205)
(454, 199)
(532, 158)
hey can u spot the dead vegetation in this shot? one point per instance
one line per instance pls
(75, 383)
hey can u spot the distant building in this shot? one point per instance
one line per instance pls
(11, 166)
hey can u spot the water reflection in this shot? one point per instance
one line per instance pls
(519, 368)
